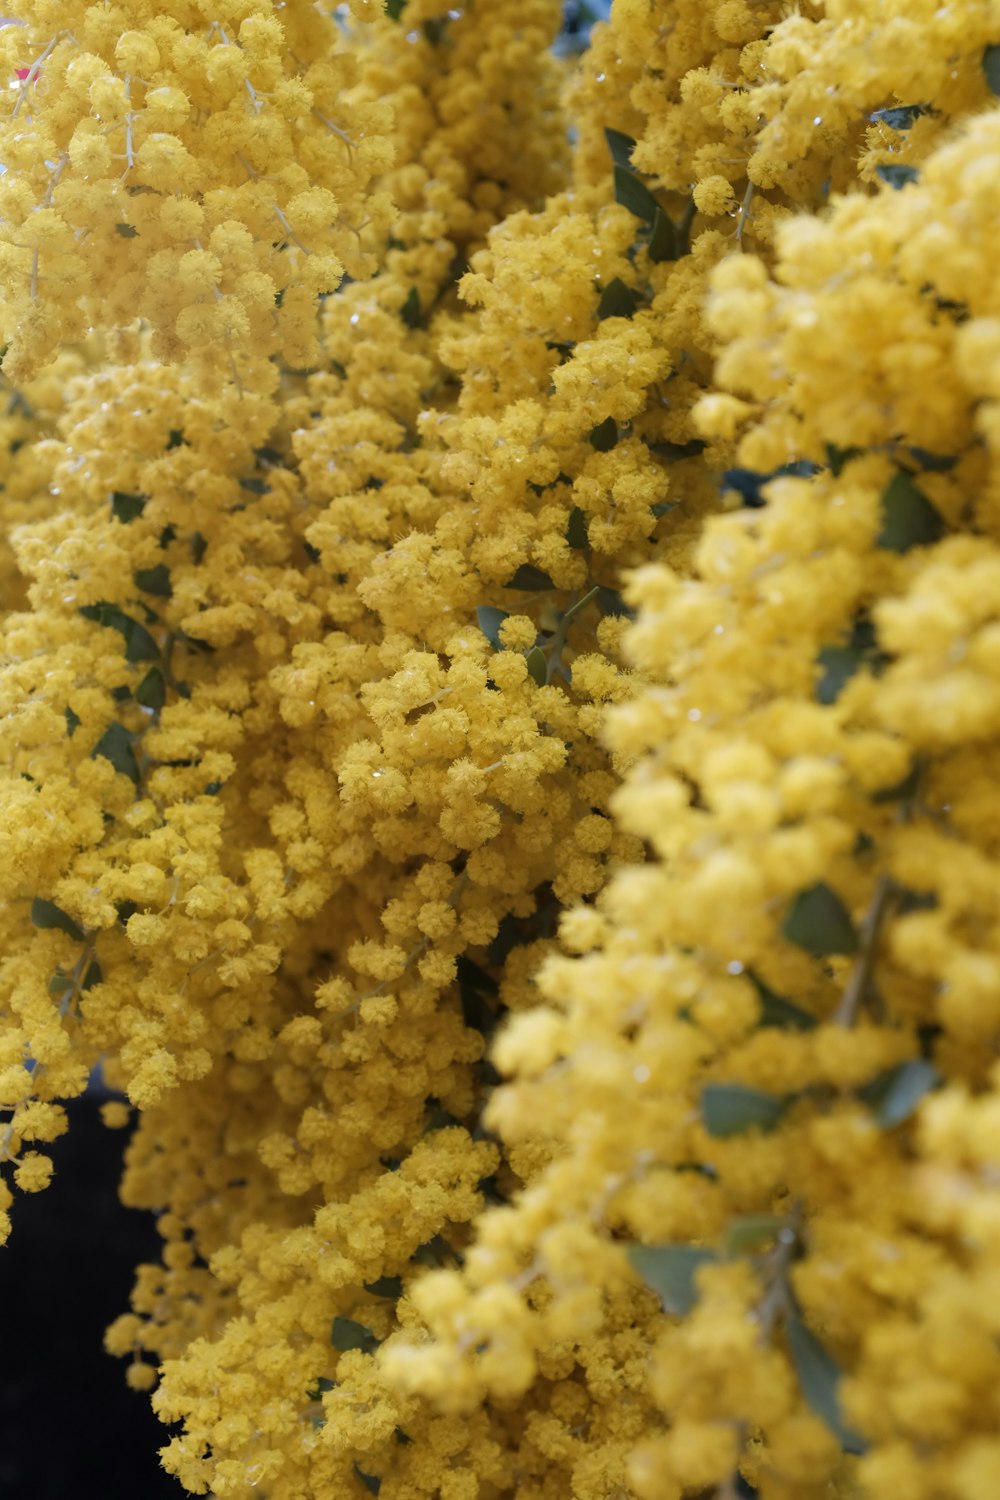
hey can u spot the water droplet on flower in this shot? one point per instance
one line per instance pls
(735, 967)
(694, 714)
(641, 1073)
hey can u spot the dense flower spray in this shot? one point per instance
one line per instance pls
(498, 704)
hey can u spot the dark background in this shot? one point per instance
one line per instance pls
(70, 1428)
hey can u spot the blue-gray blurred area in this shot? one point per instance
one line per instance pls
(578, 18)
(69, 1426)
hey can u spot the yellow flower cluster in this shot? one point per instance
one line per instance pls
(392, 698)
(205, 168)
(773, 1067)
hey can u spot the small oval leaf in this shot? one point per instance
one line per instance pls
(386, 1286)
(46, 914)
(894, 1095)
(115, 745)
(751, 1231)
(617, 300)
(411, 312)
(620, 145)
(152, 690)
(632, 193)
(730, 1108)
(347, 1334)
(819, 922)
(489, 619)
(819, 1378)
(530, 579)
(897, 174)
(909, 518)
(900, 116)
(126, 508)
(538, 667)
(669, 1270)
(663, 240)
(991, 68)
(576, 530)
(838, 665)
(605, 435)
(154, 580)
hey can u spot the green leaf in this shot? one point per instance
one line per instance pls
(255, 486)
(386, 1286)
(991, 68)
(127, 231)
(176, 439)
(729, 1109)
(346, 1334)
(320, 1388)
(94, 975)
(46, 914)
(839, 458)
(411, 312)
(139, 644)
(530, 579)
(839, 664)
(370, 1481)
(819, 922)
(152, 690)
(895, 1094)
(489, 619)
(751, 1231)
(605, 435)
(900, 116)
(663, 508)
(610, 602)
(669, 1270)
(61, 984)
(775, 1010)
(576, 530)
(435, 29)
(936, 463)
(620, 145)
(115, 745)
(617, 300)
(632, 193)
(476, 989)
(897, 174)
(126, 508)
(73, 722)
(154, 580)
(819, 1377)
(394, 9)
(909, 518)
(435, 1253)
(663, 240)
(538, 667)
(672, 453)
